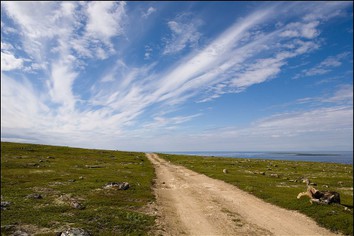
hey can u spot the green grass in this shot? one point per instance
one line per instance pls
(254, 176)
(55, 171)
(26, 169)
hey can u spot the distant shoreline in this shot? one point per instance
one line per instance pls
(342, 157)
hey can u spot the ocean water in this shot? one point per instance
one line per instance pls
(344, 157)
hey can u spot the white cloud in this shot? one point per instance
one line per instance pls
(62, 27)
(306, 46)
(326, 65)
(10, 62)
(20, 105)
(62, 78)
(316, 71)
(184, 33)
(160, 122)
(343, 94)
(105, 19)
(259, 72)
(67, 8)
(327, 10)
(242, 71)
(59, 26)
(318, 129)
(334, 61)
(6, 47)
(309, 30)
(7, 30)
(228, 63)
(306, 30)
(149, 12)
(67, 33)
(200, 68)
(322, 119)
(34, 17)
(36, 20)
(101, 53)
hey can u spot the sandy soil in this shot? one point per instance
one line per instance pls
(189, 203)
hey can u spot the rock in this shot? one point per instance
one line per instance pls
(117, 185)
(34, 196)
(274, 175)
(4, 205)
(81, 177)
(93, 166)
(50, 157)
(77, 205)
(33, 164)
(7, 228)
(225, 171)
(262, 173)
(74, 232)
(347, 209)
(69, 200)
(20, 233)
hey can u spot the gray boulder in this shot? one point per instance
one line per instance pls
(77, 205)
(74, 232)
(4, 205)
(20, 233)
(34, 196)
(117, 185)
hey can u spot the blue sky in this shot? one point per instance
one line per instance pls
(178, 76)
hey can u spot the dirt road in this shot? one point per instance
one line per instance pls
(194, 204)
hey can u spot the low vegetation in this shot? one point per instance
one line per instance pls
(279, 182)
(62, 174)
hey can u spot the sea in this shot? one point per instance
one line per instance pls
(343, 157)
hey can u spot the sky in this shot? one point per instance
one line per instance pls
(178, 76)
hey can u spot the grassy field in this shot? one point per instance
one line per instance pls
(279, 183)
(61, 174)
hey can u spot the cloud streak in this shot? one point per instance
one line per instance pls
(327, 65)
(149, 11)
